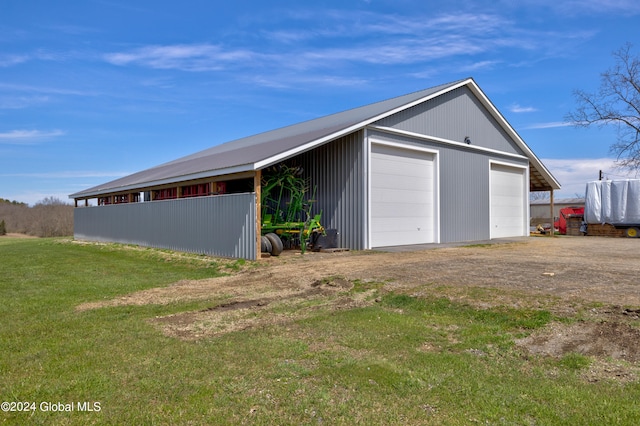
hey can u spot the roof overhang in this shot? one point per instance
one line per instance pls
(229, 171)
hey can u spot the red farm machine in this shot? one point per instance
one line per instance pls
(569, 215)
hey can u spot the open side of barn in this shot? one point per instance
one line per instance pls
(440, 165)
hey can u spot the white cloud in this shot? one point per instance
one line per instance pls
(480, 66)
(520, 109)
(193, 57)
(11, 60)
(43, 89)
(68, 174)
(20, 102)
(374, 38)
(549, 125)
(580, 7)
(28, 137)
(576, 7)
(574, 173)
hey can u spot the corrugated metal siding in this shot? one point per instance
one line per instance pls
(464, 188)
(222, 225)
(337, 170)
(464, 196)
(454, 115)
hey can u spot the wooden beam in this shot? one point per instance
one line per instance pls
(553, 229)
(257, 188)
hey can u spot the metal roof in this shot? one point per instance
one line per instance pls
(261, 150)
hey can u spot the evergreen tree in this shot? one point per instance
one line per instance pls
(3, 228)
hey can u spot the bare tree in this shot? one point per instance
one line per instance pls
(617, 102)
(49, 217)
(539, 195)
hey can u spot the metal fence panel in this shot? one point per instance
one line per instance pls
(223, 225)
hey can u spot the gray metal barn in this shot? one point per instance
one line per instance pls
(434, 166)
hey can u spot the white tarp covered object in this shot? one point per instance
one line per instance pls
(613, 201)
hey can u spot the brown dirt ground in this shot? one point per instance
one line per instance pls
(592, 279)
(14, 235)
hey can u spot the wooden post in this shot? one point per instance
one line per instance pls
(553, 230)
(76, 201)
(257, 188)
(86, 202)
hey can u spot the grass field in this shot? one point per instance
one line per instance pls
(403, 360)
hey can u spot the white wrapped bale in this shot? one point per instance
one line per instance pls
(613, 201)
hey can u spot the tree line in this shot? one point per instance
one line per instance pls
(50, 217)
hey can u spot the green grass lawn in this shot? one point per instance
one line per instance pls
(403, 360)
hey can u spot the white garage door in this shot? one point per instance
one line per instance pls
(403, 194)
(507, 201)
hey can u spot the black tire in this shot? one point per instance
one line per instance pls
(276, 244)
(265, 245)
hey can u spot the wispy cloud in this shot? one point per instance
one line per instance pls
(194, 57)
(375, 38)
(574, 173)
(585, 7)
(28, 137)
(518, 109)
(69, 174)
(20, 102)
(549, 125)
(45, 89)
(477, 66)
(11, 60)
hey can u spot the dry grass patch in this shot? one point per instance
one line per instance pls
(272, 308)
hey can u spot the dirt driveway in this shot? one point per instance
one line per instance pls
(593, 269)
(594, 279)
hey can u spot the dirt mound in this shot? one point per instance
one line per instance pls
(601, 340)
(612, 347)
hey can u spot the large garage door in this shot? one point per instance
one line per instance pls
(403, 194)
(507, 201)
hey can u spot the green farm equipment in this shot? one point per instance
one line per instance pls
(286, 210)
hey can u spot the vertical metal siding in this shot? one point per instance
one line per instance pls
(464, 196)
(454, 115)
(222, 225)
(337, 171)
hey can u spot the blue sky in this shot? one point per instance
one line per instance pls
(93, 90)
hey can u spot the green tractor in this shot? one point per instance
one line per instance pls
(287, 221)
